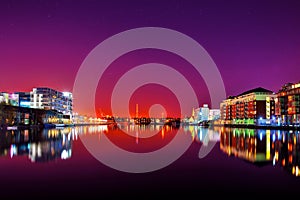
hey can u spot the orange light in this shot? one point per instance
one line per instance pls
(276, 155)
(290, 147)
(290, 158)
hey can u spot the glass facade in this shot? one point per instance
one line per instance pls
(50, 99)
(288, 104)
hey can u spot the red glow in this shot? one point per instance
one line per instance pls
(151, 94)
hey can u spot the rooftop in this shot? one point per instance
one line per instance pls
(256, 90)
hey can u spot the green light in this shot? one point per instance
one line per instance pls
(252, 133)
(247, 132)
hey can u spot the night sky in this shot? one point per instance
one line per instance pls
(253, 43)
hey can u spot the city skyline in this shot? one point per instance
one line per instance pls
(253, 44)
(137, 98)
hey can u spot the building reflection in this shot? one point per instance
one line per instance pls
(259, 146)
(279, 147)
(249, 144)
(287, 150)
(40, 145)
(202, 134)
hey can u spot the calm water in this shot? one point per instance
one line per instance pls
(91, 160)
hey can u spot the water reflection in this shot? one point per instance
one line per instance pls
(279, 147)
(249, 144)
(286, 150)
(40, 145)
(275, 147)
(203, 135)
(199, 134)
(139, 149)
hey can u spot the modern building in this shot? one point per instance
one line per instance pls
(9, 98)
(201, 114)
(50, 99)
(214, 114)
(36, 99)
(24, 99)
(204, 113)
(256, 106)
(288, 104)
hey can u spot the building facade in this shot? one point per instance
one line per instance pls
(204, 113)
(50, 99)
(24, 99)
(214, 114)
(256, 106)
(9, 98)
(288, 104)
(200, 114)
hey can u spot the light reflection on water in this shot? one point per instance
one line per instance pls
(276, 147)
(40, 145)
(267, 147)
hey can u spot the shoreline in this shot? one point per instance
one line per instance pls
(292, 128)
(252, 126)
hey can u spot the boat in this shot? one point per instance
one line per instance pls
(174, 122)
(107, 120)
(142, 120)
(60, 125)
(57, 125)
(12, 128)
(204, 123)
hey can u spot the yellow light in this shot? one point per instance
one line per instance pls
(276, 155)
(293, 170)
(268, 142)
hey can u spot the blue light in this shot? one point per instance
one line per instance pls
(260, 136)
(279, 135)
(25, 104)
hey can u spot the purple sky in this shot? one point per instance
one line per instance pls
(253, 43)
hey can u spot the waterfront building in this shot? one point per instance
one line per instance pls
(255, 107)
(24, 99)
(204, 113)
(214, 114)
(40, 106)
(200, 114)
(50, 99)
(288, 104)
(9, 98)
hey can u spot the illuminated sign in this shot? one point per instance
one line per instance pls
(25, 104)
